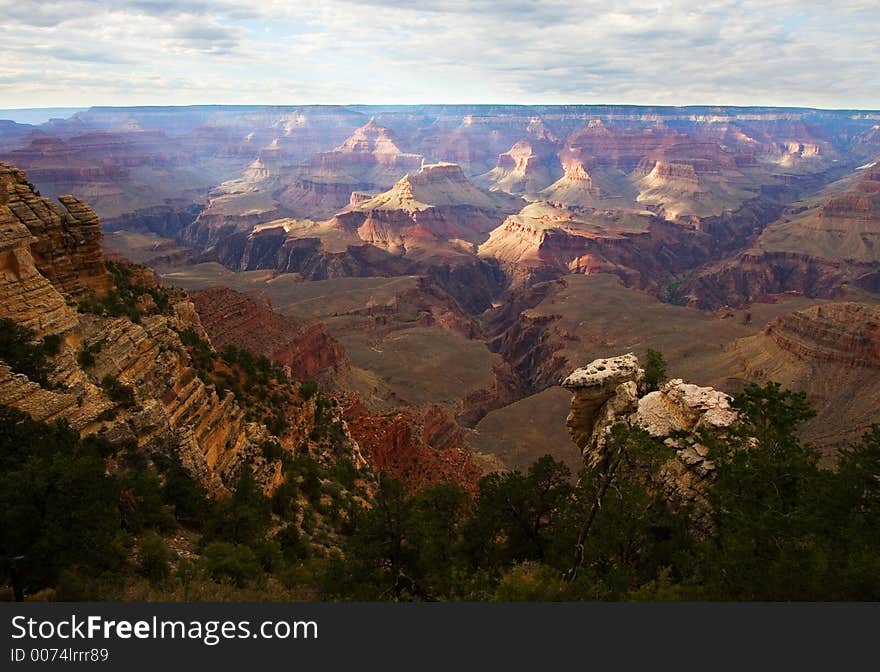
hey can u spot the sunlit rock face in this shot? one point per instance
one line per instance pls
(611, 391)
(48, 259)
(526, 168)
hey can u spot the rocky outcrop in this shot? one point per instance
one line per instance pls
(575, 187)
(546, 241)
(370, 159)
(611, 391)
(616, 379)
(233, 318)
(526, 168)
(26, 296)
(67, 245)
(438, 185)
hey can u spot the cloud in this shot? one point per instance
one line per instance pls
(206, 37)
(785, 52)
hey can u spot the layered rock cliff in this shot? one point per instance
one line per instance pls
(233, 318)
(758, 276)
(127, 377)
(831, 352)
(67, 244)
(526, 168)
(843, 333)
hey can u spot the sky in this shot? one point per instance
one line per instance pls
(653, 52)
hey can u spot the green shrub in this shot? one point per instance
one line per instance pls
(292, 544)
(269, 555)
(655, 370)
(308, 389)
(233, 563)
(86, 356)
(188, 497)
(242, 518)
(272, 450)
(119, 392)
(23, 353)
(153, 557)
(52, 344)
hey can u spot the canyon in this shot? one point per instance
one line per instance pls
(442, 269)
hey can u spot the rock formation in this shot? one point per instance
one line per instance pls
(67, 245)
(418, 446)
(47, 258)
(760, 276)
(845, 224)
(830, 351)
(611, 391)
(546, 241)
(842, 333)
(526, 168)
(233, 318)
(575, 187)
(369, 159)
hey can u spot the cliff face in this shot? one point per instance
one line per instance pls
(67, 245)
(309, 197)
(26, 296)
(757, 276)
(842, 333)
(610, 391)
(526, 168)
(233, 318)
(47, 257)
(831, 352)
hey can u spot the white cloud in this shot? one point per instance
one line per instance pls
(782, 52)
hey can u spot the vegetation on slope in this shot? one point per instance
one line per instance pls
(25, 353)
(114, 523)
(131, 296)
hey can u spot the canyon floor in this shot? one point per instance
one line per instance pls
(397, 361)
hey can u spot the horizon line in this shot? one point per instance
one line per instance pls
(442, 104)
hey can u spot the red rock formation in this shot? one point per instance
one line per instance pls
(172, 407)
(418, 446)
(843, 333)
(318, 198)
(369, 159)
(814, 252)
(599, 145)
(233, 318)
(861, 202)
(526, 168)
(758, 276)
(545, 241)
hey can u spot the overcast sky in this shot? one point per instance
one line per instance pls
(743, 52)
